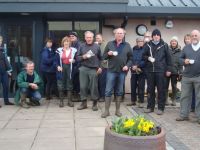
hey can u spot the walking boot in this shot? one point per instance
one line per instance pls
(173, 102)
(107, 106)
(83, 105)
(70, 103)
(94, 106)
(23, 101)
(61, 96)
(117, 103)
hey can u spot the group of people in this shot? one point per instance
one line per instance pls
(100, 70)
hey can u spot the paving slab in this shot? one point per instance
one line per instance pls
(54, 144)
(55, 133)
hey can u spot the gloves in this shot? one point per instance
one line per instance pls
(151, 59)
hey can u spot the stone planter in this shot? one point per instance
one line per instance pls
(114, 141)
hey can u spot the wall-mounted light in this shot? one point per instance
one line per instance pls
(169, 24)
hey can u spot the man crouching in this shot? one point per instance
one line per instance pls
(29, 82)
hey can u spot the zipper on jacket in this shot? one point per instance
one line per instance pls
(151, 56)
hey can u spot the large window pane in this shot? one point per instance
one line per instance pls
(57, 30)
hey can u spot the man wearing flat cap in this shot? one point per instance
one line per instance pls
(158, 66)
(73, 36)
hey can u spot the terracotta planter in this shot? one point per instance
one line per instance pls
(114, 141)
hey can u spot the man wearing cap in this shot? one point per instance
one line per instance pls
(158, 65)
(176, 70)
(73, 36)
(137, 73)
(190, 58)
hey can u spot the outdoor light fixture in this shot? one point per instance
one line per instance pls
(169, 24)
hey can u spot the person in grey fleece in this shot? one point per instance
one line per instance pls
(190, 58)
(119, 56)
(89, 55)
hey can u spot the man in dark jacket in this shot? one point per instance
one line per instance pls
(73, 36)
(176, 70)
(119, 56)
(158, 65)
(5, 71)
(137, 74)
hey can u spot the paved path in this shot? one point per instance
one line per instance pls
(49, 127)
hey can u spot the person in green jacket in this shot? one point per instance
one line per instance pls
(29, 83)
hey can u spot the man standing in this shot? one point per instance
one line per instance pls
(119, 56)
(102, 77)
(89, 56)
(5, 71)
(137, 74)
(75, 43)
(190, 58)
(158, 65)
(29, 84)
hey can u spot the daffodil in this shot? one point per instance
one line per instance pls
(129, 123)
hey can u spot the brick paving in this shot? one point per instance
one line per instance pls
(49, 127)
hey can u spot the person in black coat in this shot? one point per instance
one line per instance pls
(158, 66)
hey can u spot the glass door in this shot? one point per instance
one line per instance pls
(18, 40)
(19, 45)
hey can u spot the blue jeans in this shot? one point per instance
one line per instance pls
(31, 93)
(5, 85)
(115, 80)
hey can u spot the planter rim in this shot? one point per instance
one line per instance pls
(162, 133)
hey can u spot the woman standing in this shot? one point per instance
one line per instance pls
(47, 67)
(64, 59)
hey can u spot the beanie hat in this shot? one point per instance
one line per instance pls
(174, 38)
(156, 32)
(73, 33)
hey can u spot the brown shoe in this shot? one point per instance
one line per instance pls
(182, 119)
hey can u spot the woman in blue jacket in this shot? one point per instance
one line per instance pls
(47, 67)
(65, 57)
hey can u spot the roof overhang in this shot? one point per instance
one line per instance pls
(38, 6)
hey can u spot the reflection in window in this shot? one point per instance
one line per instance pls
(82, 26)
(57, 30)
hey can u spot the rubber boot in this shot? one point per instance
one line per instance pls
(107, 106)
(94, 106)
(117, 104)
(70, 103)
(61, 96)
(173, 102)
(23, 101)
(83, 105)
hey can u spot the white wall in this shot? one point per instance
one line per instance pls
(181, 27)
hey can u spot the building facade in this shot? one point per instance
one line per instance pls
(25, 24)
